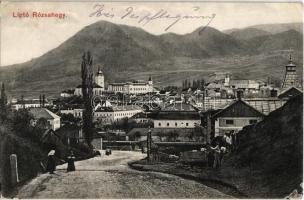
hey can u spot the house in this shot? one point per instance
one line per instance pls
(289, 93)
(115, 113)
(67, 93)
(234, 117)
(241, 84)
(52, 119)
(176, 119)
(28, 103)
(142, 117)
(70, 134)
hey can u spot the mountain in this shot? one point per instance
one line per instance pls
(203, 42)
(127, 53)
(248, 33)
(277, 28)
(272, 28)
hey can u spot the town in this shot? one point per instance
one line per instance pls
(118, 109)
(127, 111)
(175, 123)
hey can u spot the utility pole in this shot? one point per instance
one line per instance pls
(149, 142)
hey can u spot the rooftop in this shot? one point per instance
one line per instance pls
(94, 86)
(43, 113)
(177, 115)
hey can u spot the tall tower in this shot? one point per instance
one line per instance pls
(227, 80)
(290, 77)
(99, 78)
(150, 81)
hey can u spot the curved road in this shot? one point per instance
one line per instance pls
(110, 177)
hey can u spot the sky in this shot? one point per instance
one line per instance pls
(24, 38)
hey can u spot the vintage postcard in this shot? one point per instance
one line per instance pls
(151, 99)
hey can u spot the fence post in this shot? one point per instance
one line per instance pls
(14, 169)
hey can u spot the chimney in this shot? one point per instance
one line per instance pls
(239, 94)
(273, 93)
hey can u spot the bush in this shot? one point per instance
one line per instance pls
(28, 154)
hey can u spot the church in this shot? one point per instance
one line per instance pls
(98, 85)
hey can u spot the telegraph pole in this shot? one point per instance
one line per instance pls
(149, 141)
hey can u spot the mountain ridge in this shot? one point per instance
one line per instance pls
(137, 53)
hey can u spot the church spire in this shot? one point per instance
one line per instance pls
(99, 72)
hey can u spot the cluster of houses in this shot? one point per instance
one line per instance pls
(184, 117)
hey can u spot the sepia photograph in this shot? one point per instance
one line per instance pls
(151, 99)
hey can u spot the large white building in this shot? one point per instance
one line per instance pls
(98, 86)
(111, 114)
(28, 103)
(107, 114)
(241, 84)
(176, 119)
(135, 87)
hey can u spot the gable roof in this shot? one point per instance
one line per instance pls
(95, 85)
(43, 113)
(238, 108)
(177, 115)
(290, 92)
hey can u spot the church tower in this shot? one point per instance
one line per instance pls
(290, 77)
(150, 81)
(99, 78)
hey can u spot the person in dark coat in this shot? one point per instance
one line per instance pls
(70, 160)
(51, 164)
(210, 157)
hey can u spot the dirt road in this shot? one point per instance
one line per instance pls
(110, 177)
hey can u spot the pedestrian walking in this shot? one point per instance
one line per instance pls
(70, 160)
(228, 142)
(217, 152)
(223, 151)
(51, 164)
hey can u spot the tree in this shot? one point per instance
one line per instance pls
(43, 100)
(69, 118)
(22, 122)
(87, 92)
(3, 103)
(42, 123)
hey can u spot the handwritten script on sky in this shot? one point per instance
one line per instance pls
(144, 18)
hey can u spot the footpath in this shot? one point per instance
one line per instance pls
(207, 176)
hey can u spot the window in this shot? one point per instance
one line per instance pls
(168, 124)
(229, 121)
(159, 124)
(253, 121)
(175, 124)
(187, 124)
